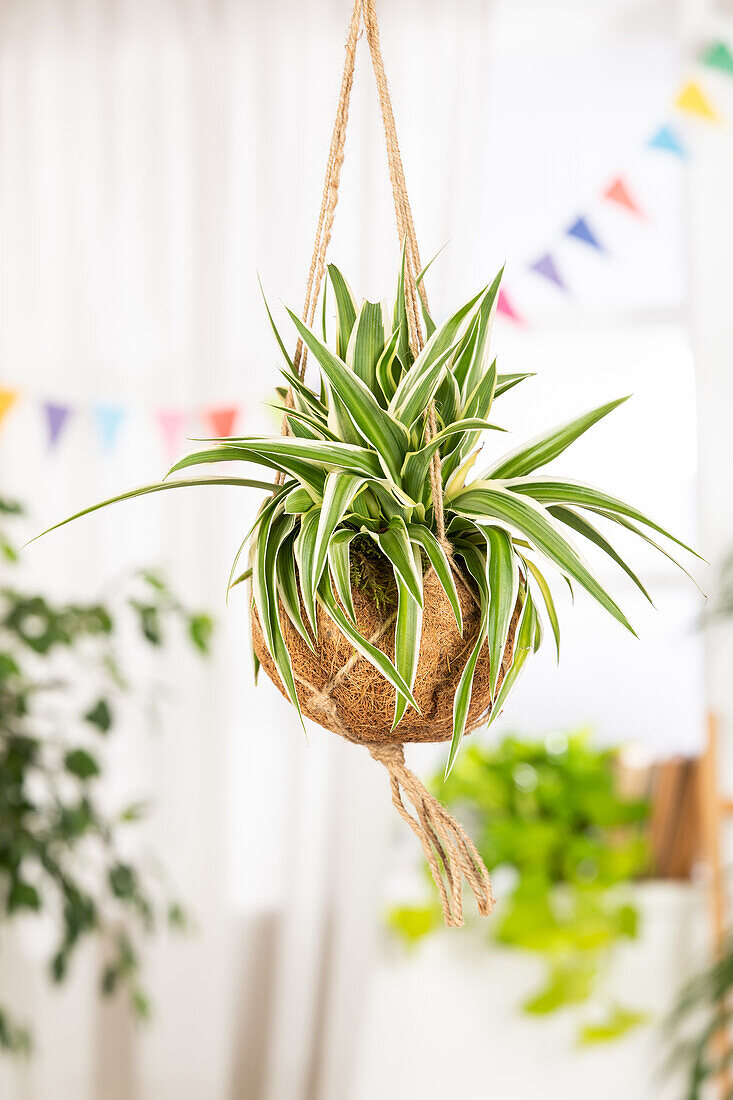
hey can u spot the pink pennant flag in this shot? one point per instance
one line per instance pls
(56, 417)
(619, 193)
(221, 420)
(505, 307)
(172, 424)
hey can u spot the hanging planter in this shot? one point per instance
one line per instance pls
(396, 592)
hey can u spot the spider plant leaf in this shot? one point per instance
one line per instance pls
(305, 545)
(375, 656)
(385, 434)
(581, 525)
(367, 343)
(340, 422)
(298, 501)
(544, 448)
(417, 533)
(338, 494)
(395, 545)
(469, 366)
(506, 382)
(418, 386)
(417, 463)
(324, 303)
(408, 633)
(306, 472)
(264, 588)
(287, 586)
(481, 397)
(486, 500)
(345, 310)
(310, 401)
(322, 453)
(339, 561)
(317, 428)
(399, 322)
(157, 487)
(388, 376)
(503, 578)
(623, 522)
(522, 647)
(448, 400)
(550, 490)
(273, 326)
(280, 494)
(477, 566)
(549, 601)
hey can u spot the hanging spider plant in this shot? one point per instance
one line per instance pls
(354, 474)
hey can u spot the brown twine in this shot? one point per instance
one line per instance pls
(405, 228)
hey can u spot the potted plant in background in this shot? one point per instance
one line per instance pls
(61, 681)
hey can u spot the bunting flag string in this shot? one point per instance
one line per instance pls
(692, 103)
(172, 424)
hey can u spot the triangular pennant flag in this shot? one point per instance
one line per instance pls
(56, 417)
(222, 420)
(7, 400)
(108, 419)
(172, 424)
(545, 266)
(505, 307)
(718, 56)
(666, 139)
(583, 232)
(618, 192)
(693, 101)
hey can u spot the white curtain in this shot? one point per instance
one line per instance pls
(154, 156)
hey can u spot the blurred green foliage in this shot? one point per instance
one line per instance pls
(551, 814)
(61, 687)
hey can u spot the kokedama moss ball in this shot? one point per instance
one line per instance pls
(341, 690)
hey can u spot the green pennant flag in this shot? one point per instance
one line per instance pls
(718, 56)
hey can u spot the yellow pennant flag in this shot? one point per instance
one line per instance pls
(693, 100)
(7, 400)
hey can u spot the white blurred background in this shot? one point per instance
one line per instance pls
(155, 155)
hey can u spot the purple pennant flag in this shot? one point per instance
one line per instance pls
(583, 232)
(545, 266)
(56, 417)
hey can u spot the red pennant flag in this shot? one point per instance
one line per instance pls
(618, 192)
(505, 307)
(222, 420)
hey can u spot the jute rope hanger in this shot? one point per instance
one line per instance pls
(414, 293)
(449, 851)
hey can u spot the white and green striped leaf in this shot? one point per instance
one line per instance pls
(544, 448)
(583, 527)
(345, 310)
(549, 601)
(366, 344)
(395, 545)
(338, 494)
(437, 558)
(408, 634)
(339, 561)
(503, 579)
(287, 585)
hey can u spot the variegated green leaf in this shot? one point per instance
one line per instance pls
(488, 500)
(437, 558)
(523, 645)
(305, 545)
(477, 567)
(338, 494)
(367, 343)
(503, 578)
(581, 525)
(287, 585)
(544, 448)
(395, 545)
(375, 656)
(385, 434)
(408, 634)
(339, 560)
(551, 490)
(546, 593)
(345, 310)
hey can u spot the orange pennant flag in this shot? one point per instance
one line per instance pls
(7, 400)
(618, 192)
(693, 101)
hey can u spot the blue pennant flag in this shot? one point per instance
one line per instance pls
(583, 232)
(666, 139)
(108, 419)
